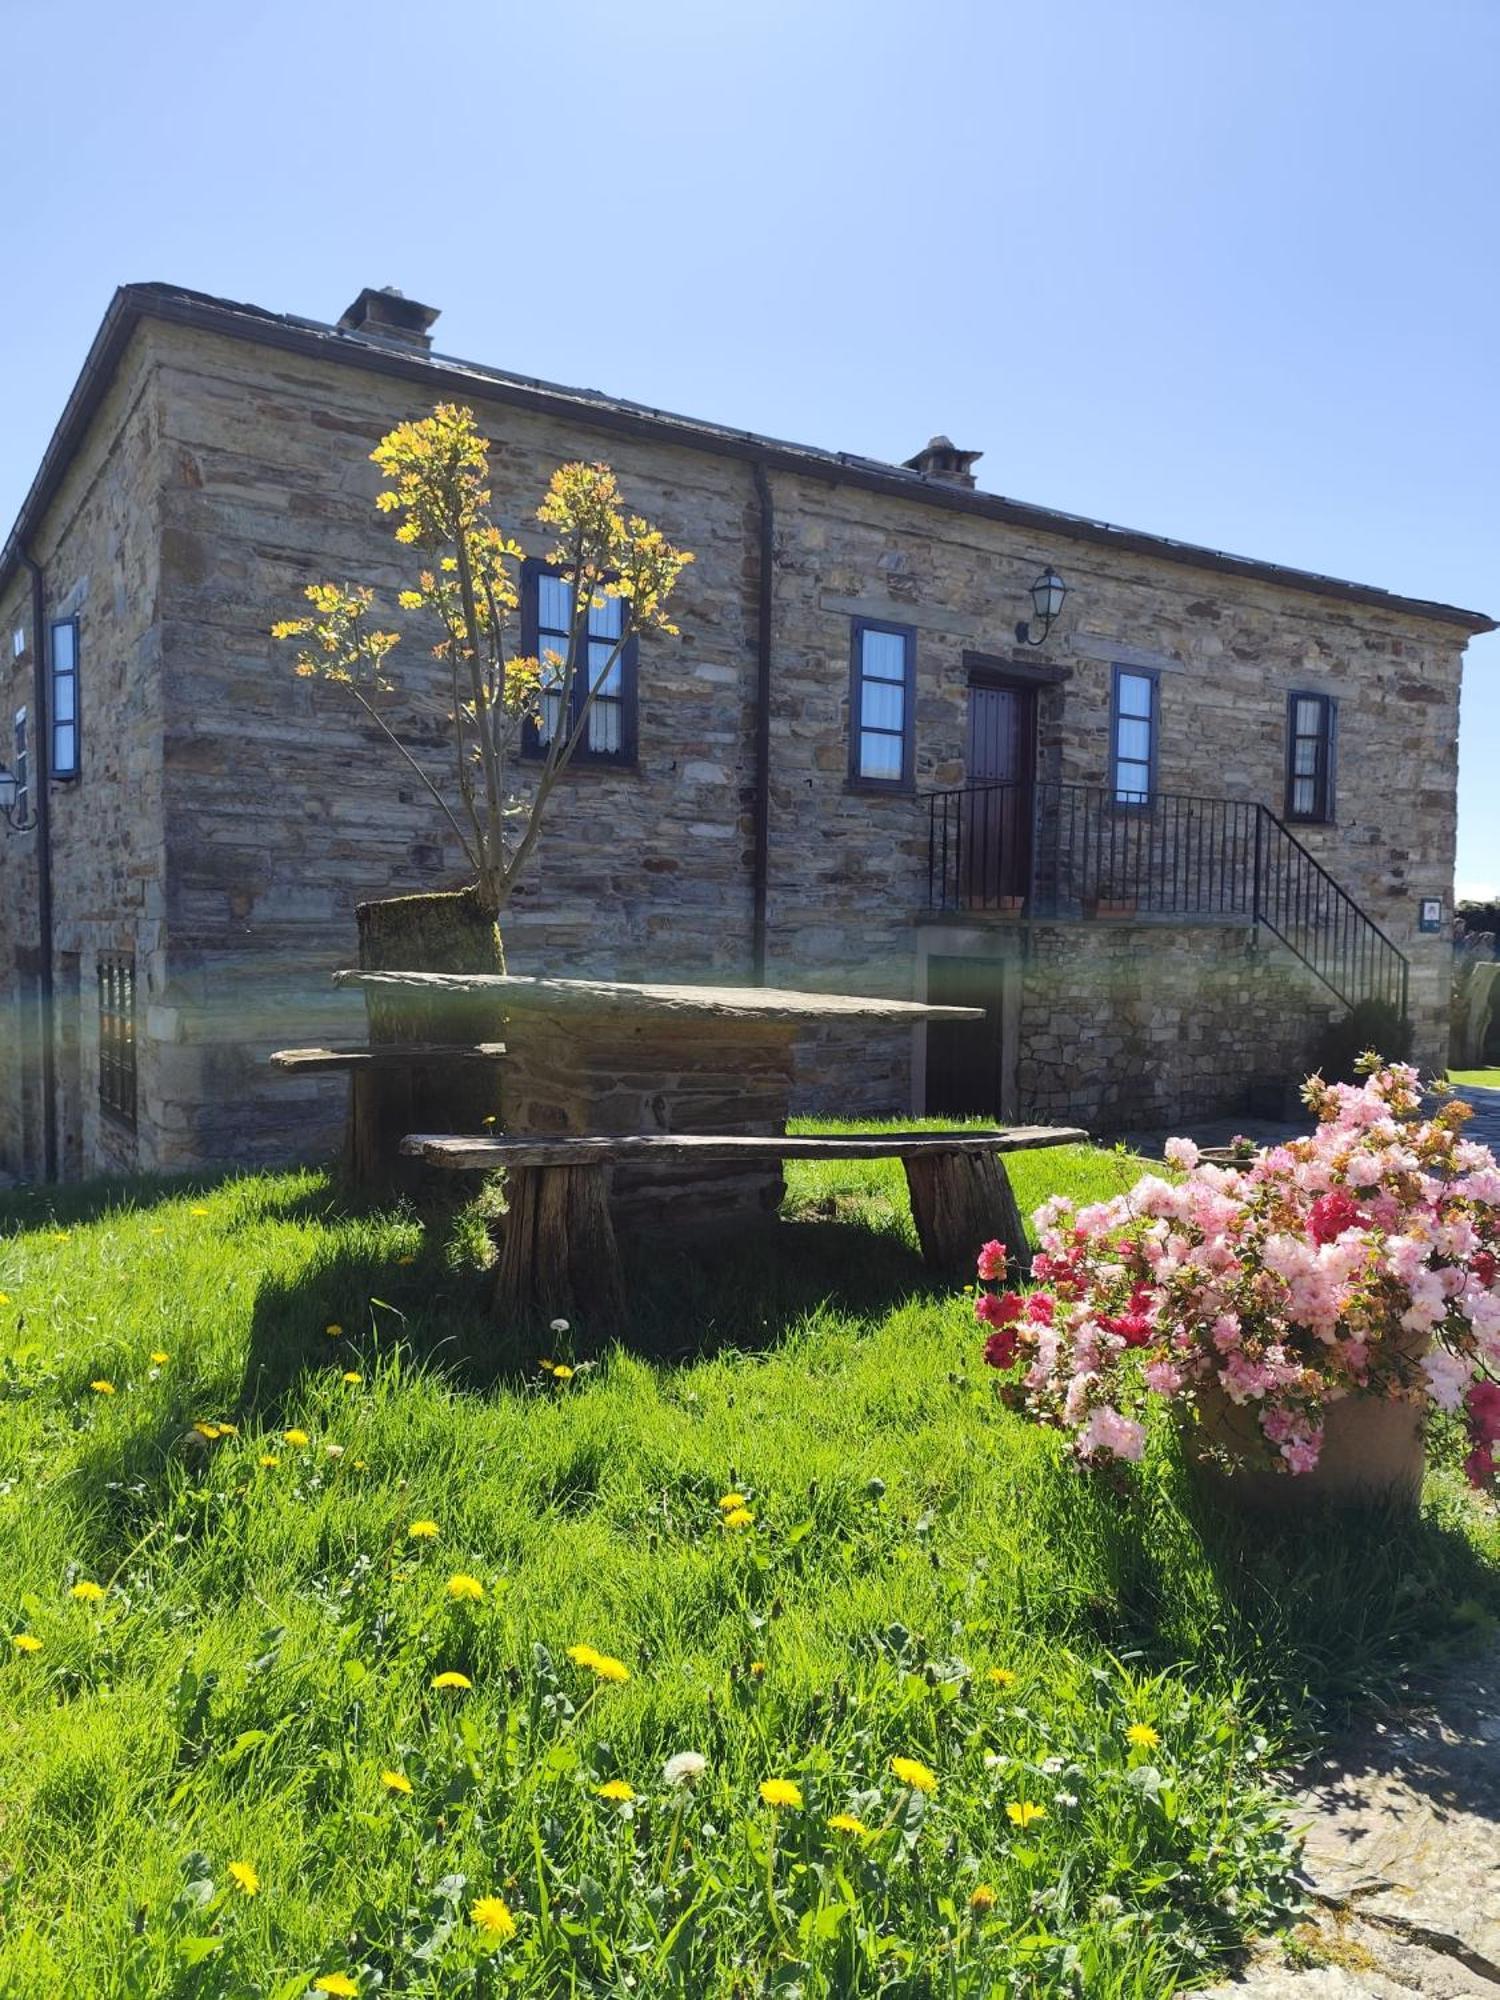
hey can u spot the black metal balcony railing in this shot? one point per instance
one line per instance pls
(1054, 850)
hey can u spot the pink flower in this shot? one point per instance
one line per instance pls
(1447, 1375)
(1181, 1153)
(992, 1260)
(1301, 1453)
(1107, 1431)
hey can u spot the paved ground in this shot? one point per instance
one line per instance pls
(1483, 1126)
(1403, 1857)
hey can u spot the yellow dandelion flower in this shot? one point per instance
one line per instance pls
(915, 1774)
(60, 1235)
(846, 1823)
(982, 1899)
(546, 1366)
(159, 1359)
(26, 1642)
(207, 1430)
(1003, 1677)
(269, 1459)
(602, 1664)
(199, 1211)
(244, 1878)
(406, 1260)
(562, 1372)
(730, 1501)
(333, 1329)
(353, 1377)
(492, 1915)
(102, 1388)
(617, 1789)
(757, 1670)
(423, 1531)
(396, 1781)
(229, 1430)
(451, 1680)
(466, 1588)
(338, 1984)
(488, 1121)
(296, 1437)
(88, 1593)
(780, 1792)
(361, 1464)
(1142, 1735)
(739, 1517)
(1021, 1812)
(4, 1298)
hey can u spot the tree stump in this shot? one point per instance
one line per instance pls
(444, 932)
(558, 1255)
(958, 1202)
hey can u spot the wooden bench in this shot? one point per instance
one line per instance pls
(385, 1055)
(392, 1084)
(558, 1254)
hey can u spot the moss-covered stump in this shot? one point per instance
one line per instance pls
(447, 931)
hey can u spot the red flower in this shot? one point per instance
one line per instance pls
(1041, 1306)
(1479, 1466)
(1483, 1406)
(1133, 1326)
(1001, 1348)
(999, 1308)
(992, 1260)
(1331, 1214)
(1484, 1266)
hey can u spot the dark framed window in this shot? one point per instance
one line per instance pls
(117, 1078)
(65, 739)
(546, 628)
(1133, 728)
(21, 767)
(1311, 723)
(881, 686)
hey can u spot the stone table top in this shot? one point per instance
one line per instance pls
(616, 997)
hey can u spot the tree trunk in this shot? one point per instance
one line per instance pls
(558, 1255)
(448, 931)
(960, 1201)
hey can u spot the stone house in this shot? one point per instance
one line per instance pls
(1160, 811)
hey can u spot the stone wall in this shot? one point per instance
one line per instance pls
(98, 549)
(247, 470)
(1133, 1025)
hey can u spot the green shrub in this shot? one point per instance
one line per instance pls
(1370, 1025)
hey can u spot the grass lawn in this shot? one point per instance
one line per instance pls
(267, 1679)
(1488, 1079)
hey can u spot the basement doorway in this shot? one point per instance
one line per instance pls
(971, 1064)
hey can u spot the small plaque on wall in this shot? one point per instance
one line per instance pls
(1430, 913)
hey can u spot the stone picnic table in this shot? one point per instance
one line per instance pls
(660, 1107)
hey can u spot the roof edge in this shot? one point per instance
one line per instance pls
(314, 339)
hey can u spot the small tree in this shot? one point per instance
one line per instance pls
(469, 583)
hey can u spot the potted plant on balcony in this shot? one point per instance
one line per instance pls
(1110, 899)
(1301, 1314)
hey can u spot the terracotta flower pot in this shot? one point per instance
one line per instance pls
(1374, 1454)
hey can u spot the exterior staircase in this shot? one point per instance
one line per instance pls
(1058, 852)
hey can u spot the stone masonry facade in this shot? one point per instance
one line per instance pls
(229, 816)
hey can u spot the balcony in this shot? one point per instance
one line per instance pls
(1061, 853)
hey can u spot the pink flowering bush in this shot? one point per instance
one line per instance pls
(1362, 1259)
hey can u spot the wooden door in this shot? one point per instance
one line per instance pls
(965, 1059)
(996, 864)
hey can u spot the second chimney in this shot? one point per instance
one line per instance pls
(941, 459)
(390, 317)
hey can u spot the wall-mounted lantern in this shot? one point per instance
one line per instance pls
(1047, 595)
(14, 811)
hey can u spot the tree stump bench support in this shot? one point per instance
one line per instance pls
(390, 1084)
(559, 1255)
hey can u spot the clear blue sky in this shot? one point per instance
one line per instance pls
(1224, 269)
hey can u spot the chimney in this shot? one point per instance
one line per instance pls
(942, 460)
(391, 318)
